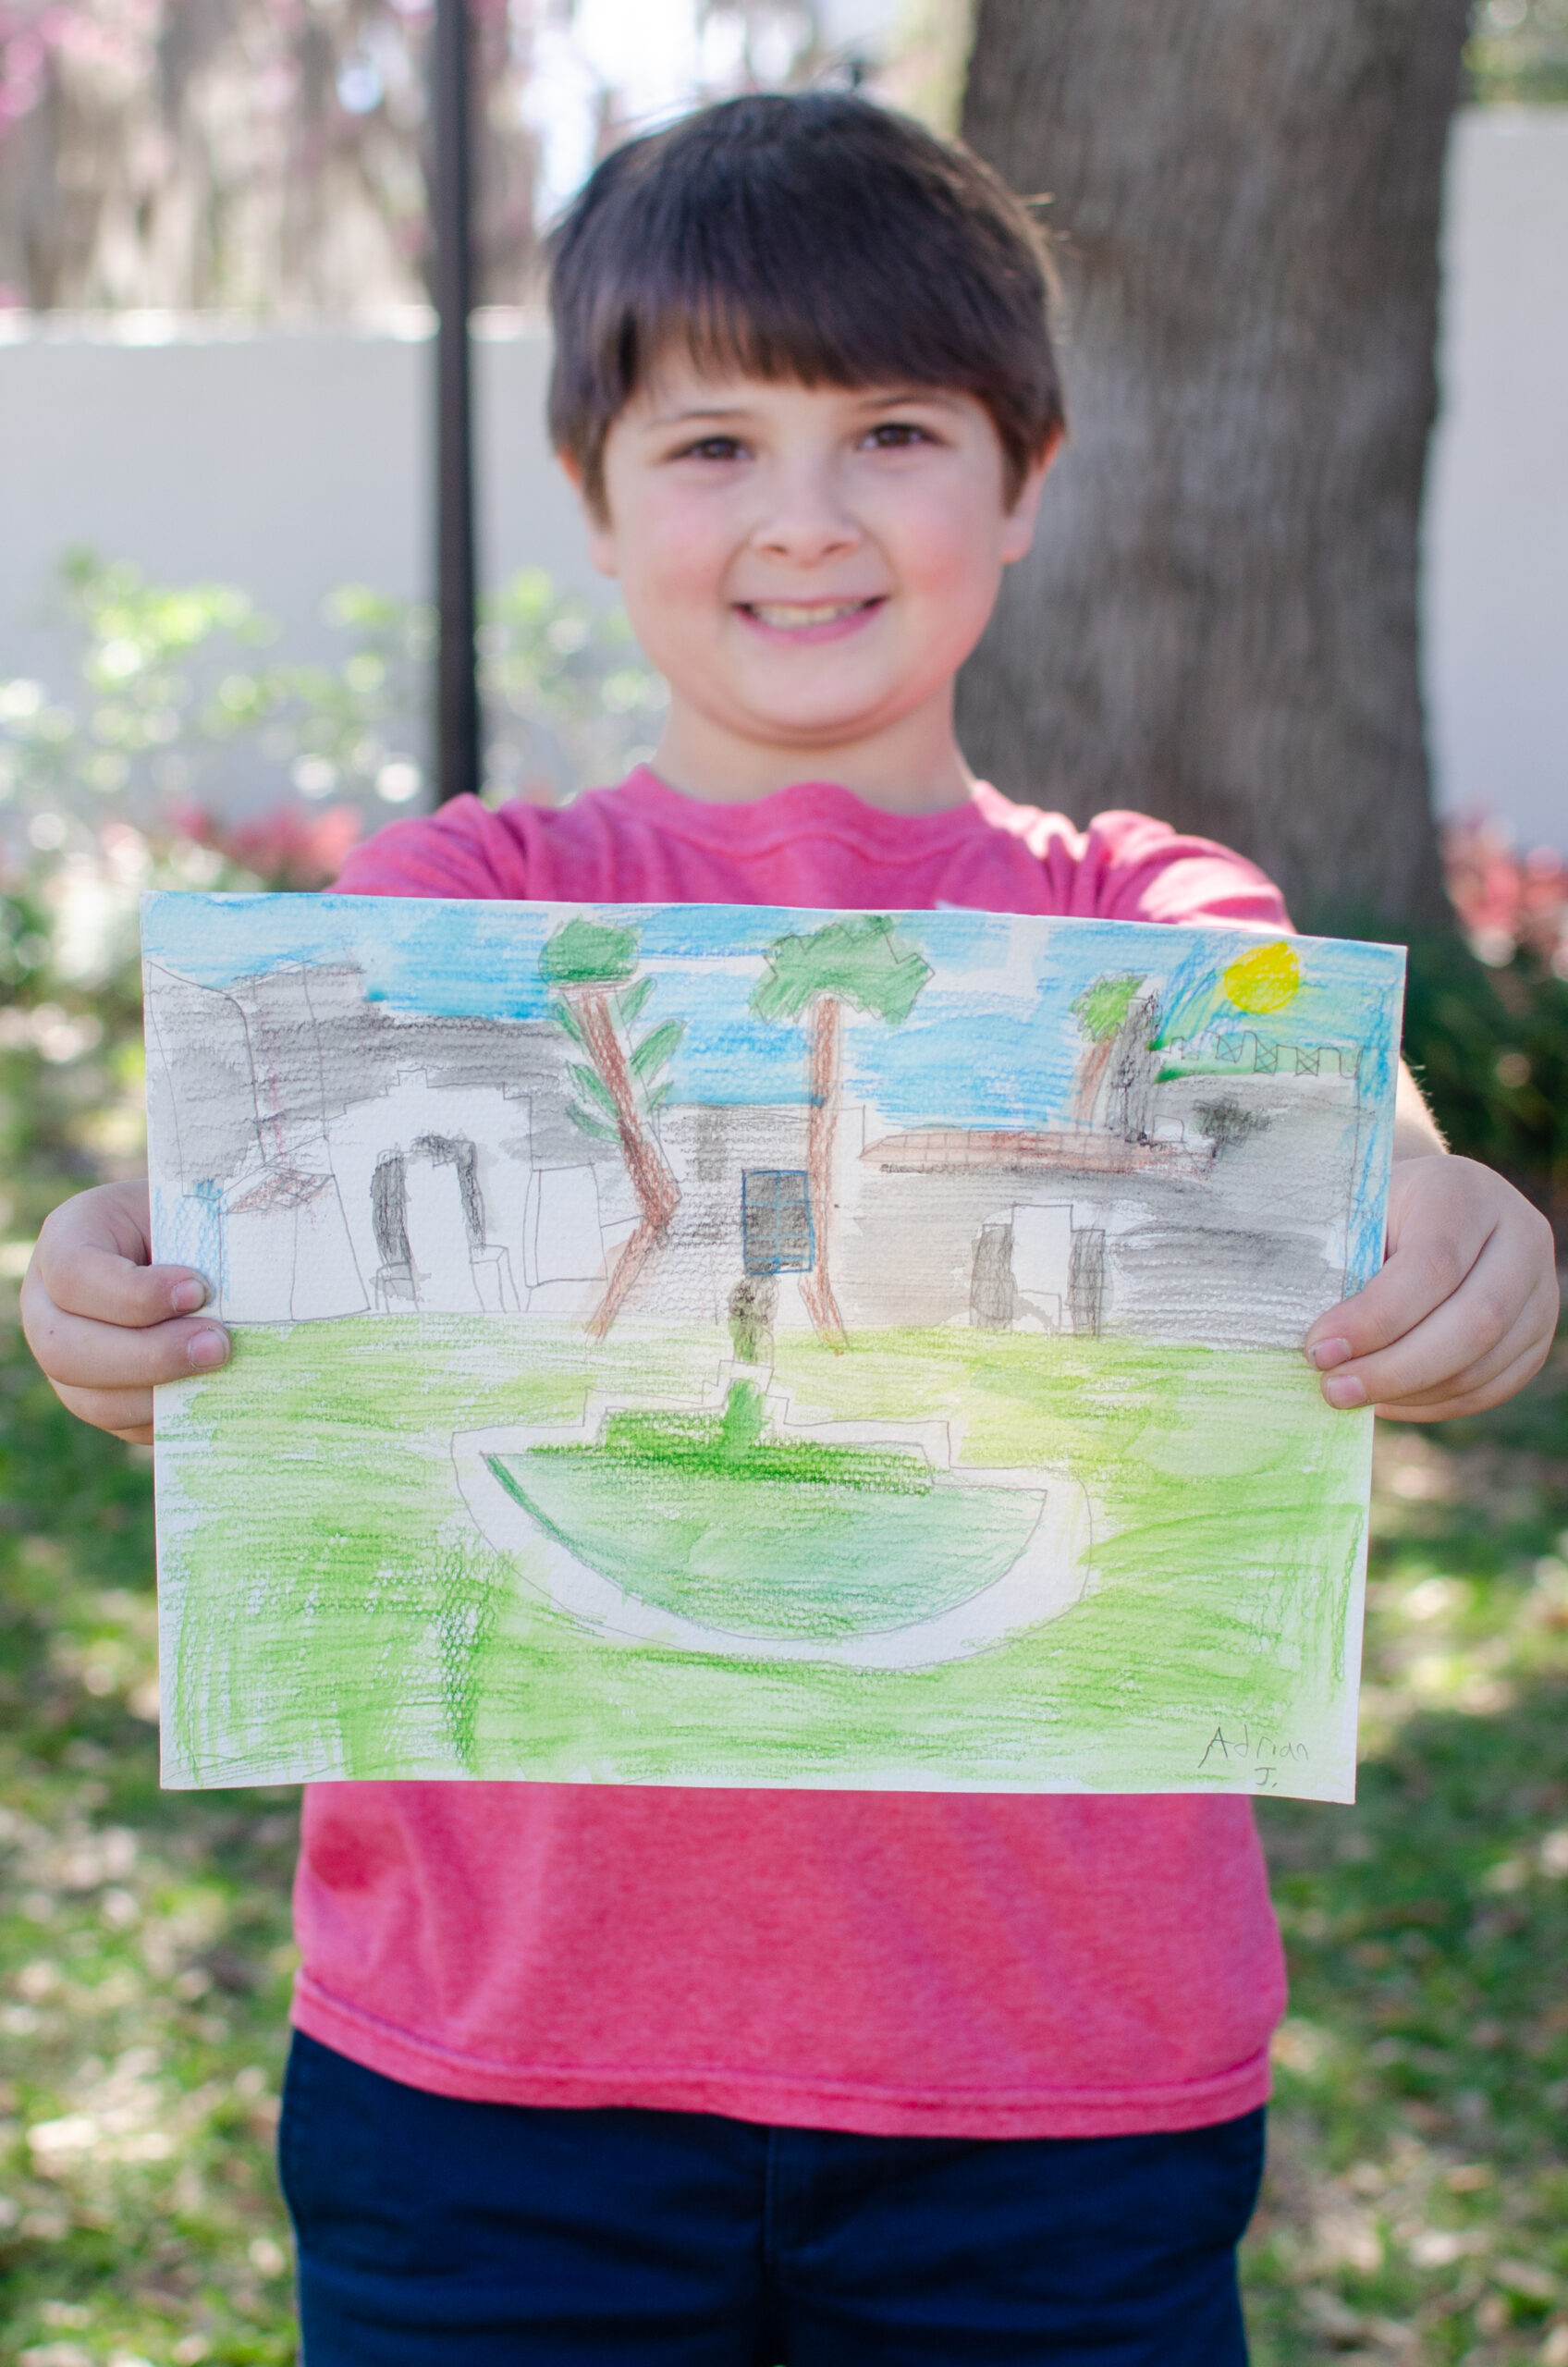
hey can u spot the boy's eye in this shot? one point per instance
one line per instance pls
(896, 435)
(712, 447)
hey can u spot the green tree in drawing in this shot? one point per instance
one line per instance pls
(1101, 1012)
(861, 963)
(620, 1080)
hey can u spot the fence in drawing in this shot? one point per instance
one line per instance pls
(726, 1345)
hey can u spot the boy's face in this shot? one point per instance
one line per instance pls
(808, 567)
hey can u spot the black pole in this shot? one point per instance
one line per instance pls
(457, 701)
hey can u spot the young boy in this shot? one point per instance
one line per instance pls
(725, 2078)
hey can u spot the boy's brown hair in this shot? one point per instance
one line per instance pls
(819, 238)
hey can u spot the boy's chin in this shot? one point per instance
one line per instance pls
(815, 743)
(806, 714)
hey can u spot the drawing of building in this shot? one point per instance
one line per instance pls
(336, 1156)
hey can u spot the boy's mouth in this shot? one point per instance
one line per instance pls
(807, 616)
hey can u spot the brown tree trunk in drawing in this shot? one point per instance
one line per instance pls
(827, 1027)
(1218, 622)
(1090, 1077)
(658, 1194)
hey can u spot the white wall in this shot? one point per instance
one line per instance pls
(1497, 536)
(286, 462)
(290, 462)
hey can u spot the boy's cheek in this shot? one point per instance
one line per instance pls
(677, 571)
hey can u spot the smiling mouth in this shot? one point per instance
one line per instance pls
(800, 616)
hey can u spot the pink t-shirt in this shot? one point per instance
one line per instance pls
(917, 1964)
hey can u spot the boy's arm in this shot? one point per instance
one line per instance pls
(103, 1322)
(1464, 1309)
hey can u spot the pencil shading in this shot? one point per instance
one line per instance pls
(708, 1344)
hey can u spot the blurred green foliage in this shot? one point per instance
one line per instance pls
(568, 698)
(166, 682)
(71, 1065)
(1490, 1046)
(1416, 2202)
(145, 1954)
(1517, 53)
(180, 709)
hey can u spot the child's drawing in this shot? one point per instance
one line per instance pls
(723, 1345)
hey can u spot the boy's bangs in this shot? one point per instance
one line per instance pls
(820, 239)
(848, 336)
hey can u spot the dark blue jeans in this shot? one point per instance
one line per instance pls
(433, 2233)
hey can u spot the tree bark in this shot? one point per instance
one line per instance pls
(1218, 622)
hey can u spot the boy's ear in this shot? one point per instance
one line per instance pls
(1018, 527)
(595, 517)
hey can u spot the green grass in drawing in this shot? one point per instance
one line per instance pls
(708, 1515)
(329, 1604)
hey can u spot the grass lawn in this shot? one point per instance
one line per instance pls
(1415, 2209)
(380, 1635)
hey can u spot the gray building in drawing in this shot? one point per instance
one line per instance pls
(330, 1154)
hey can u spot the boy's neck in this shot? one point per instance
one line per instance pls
(907, 768)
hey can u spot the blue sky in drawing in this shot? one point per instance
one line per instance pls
(991, 1041)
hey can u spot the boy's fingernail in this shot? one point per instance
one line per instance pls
(1345, 1392)
(1329, 1353)
(207, 1349)
(186, 1297)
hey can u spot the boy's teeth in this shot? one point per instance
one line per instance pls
(785, 615)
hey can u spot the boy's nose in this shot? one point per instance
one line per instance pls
(807, 520)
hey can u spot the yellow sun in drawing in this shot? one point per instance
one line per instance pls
(1264, 980)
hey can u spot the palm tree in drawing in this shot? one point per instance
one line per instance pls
(859, 963)
(619, 1082)
(1101, 1011)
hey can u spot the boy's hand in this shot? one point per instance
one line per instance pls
(1464, 1311)
(104, 1323)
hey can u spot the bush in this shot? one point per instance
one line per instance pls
(1490, 1046)
(1486, 1022)
(180, 711)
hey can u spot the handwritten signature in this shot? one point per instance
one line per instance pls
(1260, 1753)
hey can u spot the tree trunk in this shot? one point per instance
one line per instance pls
(1218, 622)
(1092, 1065)
(827, 1030)
(652, 1179)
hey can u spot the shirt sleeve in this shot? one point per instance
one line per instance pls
(460, 850)
(1130, 868)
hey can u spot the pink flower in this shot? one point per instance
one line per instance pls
(290, 846)
(1505, 901)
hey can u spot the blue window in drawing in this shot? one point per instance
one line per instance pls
(776, 1227)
